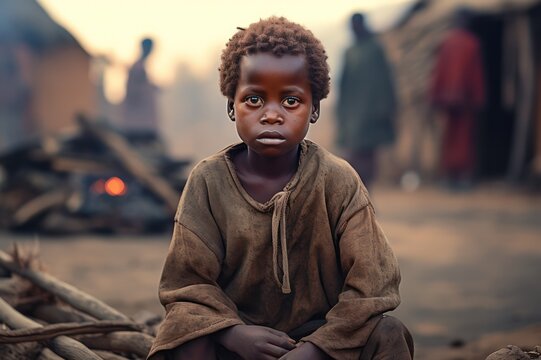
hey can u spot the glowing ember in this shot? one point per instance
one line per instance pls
(115, 186)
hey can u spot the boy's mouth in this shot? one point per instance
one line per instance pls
(270, 138)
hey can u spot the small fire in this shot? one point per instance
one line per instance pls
(114, 186)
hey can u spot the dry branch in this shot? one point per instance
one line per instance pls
(67, 293)
(20, 351)
(64, 346)
(8, 287)
(39, 205)
(55, 314)
(107, 355)
(47, 354)
(78, 316)
(135, 343)
(47, 332)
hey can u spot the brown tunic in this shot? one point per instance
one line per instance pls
(314, 250)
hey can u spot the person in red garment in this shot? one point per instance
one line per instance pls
(458, 92)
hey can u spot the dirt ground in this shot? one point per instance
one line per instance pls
(471, 265)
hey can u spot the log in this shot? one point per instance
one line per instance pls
(80, 165)
(8, 287)
(135, 343)
(67, 293)
(24, 295)
(55, 314)
(133, 162)
(24, 303)
(63, 346)
(20, 351)
(47, 354)
(39, 205)
(47, 332)
(107, 355)
(70, 349)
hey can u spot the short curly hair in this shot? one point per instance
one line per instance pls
(278, 36)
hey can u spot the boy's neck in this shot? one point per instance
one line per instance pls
(271, 167)
(263, 177)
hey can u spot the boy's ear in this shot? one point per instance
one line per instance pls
(231, 109)
(315, 113)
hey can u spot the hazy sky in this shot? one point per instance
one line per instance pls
(192, 32)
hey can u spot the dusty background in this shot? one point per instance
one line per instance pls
(471, 265)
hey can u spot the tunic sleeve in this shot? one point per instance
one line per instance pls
(194, 303)
(371, 283)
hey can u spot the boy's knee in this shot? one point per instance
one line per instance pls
(199, 348)
(390, 324)
(391, 333)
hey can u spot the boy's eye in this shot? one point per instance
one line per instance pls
(253, 100)
(290, 101)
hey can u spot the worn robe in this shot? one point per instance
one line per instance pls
(313, 251)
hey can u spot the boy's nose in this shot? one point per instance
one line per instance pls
(271, 116)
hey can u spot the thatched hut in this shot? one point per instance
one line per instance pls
(44, 74)
(509, 129)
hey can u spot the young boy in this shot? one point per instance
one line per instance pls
(276, 252)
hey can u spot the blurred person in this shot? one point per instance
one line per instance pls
(14, 99)
(276, 251)
(457, 91)
(140, 118)
(366, 103)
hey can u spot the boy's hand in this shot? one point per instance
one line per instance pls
(306, 351)
(255, 342)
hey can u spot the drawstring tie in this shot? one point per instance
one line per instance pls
(279, 232)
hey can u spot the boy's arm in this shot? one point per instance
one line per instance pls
(195, 305)
(194, 302)
(371, 282)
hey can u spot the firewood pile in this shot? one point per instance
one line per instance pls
(42, 317)
(97, 178)
(513, 352)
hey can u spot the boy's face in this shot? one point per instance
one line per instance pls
(273, 104)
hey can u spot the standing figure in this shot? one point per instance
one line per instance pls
(366, 104)
(276, 251)
(15, 124)
(457, 91)
(140, 108)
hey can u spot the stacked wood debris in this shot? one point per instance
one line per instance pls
(512, 352)
(42, 317)
(59, 184)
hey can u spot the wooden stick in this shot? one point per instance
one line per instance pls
(47, 354)
(70, 349)
(68, 293)
(63, 346)
(80, 165)
(135, 343)
(20, 351)
(8, 287)
(47, 332)
(38, 205)
(54, 314)
(107, 355)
